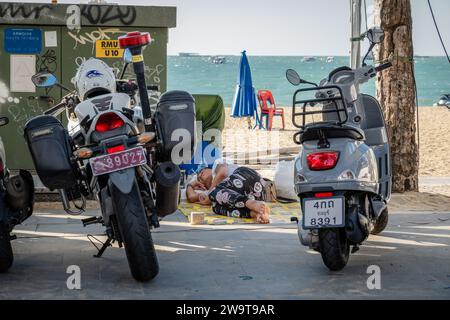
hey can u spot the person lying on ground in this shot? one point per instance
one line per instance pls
(231, 190)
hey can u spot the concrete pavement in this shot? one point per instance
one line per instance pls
(229, 262)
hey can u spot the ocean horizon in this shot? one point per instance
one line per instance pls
(198, 75)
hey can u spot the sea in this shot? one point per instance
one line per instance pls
(198, 75)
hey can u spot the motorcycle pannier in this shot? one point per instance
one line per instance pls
(51, 150)
(176, 110)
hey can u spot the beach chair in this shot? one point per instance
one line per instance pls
(269, 109)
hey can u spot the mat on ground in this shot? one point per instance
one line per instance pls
(281, 213)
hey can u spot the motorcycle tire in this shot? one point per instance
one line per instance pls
(6, 253)
(334, 248)
(136, 235)
(381, 222)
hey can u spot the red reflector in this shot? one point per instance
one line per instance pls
(322, 160)
(134, 39)
(108, 121)
(116, 149)
(323, 195)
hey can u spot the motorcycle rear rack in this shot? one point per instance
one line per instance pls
(305, 102)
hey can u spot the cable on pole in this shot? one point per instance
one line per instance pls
(438, 32)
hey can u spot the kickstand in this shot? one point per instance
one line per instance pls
(355, 249)
(105, 245)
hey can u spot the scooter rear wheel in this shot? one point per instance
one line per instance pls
(334, 248)
(6, 253)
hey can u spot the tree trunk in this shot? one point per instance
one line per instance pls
(396, 90)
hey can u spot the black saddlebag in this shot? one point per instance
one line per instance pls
(51, 149)
(176, 110)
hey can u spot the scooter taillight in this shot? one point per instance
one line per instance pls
(322, 160)
(323, 194)
(108, 121)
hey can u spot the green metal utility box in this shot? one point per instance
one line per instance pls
(58, 38)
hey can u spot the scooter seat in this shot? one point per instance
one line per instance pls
(328, 130)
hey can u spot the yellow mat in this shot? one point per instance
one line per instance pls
(280, 213)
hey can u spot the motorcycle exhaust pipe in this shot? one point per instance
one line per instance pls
(167, 176)
(308, 238)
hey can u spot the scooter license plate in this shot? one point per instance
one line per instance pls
(321, 213)
(118, 161)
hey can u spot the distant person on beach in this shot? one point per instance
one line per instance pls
(231, 190)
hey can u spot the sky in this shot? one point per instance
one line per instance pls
(282, 27)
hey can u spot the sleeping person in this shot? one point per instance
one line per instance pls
(231, 190)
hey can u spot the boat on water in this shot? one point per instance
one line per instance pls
(218, 59)
(188, 54)
(444, 101)
(308, 59)
(330, 59)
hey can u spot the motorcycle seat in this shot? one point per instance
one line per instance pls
(330, 130)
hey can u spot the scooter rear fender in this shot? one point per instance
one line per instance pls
(356, 169)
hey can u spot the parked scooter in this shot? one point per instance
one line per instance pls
(16, 204)
(117, 151)
(343, 171)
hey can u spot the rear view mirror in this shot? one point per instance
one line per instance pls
(127, 57)
(44, 79)
(4, 121)
(293, 77)
(375, 35)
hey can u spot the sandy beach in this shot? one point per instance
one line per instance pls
(434, 155)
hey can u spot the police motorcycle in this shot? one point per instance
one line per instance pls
(343, 171)
(16, 204)
(116, 151)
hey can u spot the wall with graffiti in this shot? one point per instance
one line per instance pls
(60, 48)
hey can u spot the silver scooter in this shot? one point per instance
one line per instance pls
(343, 170)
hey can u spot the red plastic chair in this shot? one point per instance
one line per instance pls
(269, 109)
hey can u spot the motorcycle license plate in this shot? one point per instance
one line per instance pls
(118, 161)
(323, 213)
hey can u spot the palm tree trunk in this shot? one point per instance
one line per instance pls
(396, 90)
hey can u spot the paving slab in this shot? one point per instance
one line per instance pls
(229, 262)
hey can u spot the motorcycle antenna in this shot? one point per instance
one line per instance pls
(136, 41)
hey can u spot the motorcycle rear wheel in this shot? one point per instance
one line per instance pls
(136, 235)
(334, 248)
(6, 253)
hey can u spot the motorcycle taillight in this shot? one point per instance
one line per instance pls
(322, 160)
(108, 121)
(115, 149)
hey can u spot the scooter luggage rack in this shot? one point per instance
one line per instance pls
(305, 113)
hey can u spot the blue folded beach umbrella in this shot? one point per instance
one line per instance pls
(244, 103)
